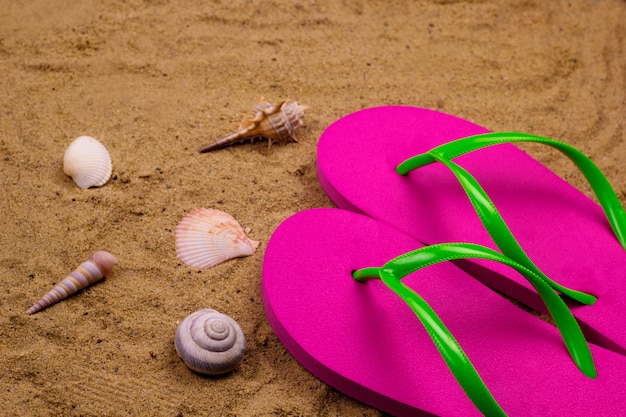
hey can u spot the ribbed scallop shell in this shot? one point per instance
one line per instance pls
(96, 267)
(207, 237)
(210, 342)
(88, 162)
(277, 123)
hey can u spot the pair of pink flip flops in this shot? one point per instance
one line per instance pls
(454, 346)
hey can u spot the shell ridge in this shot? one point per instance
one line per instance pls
(70, 285)
(87, 272)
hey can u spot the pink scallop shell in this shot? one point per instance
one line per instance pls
(207, 237)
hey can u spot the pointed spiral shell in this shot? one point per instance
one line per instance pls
(210, 342)
(93, 269)
(277, 123)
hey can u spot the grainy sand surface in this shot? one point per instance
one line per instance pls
(153, 80)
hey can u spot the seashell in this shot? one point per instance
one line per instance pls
(277, 123)
(210, 342)
(88, 162)
(207, 237)
(93, 269)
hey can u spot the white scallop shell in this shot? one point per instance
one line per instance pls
(88, 162)
(207, 237)
(210, 342)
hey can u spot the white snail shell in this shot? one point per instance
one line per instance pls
(210, 342)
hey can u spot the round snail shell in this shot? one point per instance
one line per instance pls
(210, 342)
(88, 162)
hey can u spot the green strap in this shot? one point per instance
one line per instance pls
(601, 187)
(492, 220)
(393, 271)
(500, 232)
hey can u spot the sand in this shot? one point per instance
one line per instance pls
(153, 80)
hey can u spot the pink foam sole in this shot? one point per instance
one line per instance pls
(363, 340)
(562, 230)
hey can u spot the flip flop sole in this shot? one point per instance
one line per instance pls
(363, 340)
(563, 231)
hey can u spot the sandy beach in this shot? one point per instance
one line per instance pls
(154, 80)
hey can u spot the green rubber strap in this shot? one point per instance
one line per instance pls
(566, 323)
(487, 212)
(500, 232)
(455, 358)
(600, 185)
(450, 350)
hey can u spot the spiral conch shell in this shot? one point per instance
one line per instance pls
(277, 123)
(210, 342)
(207, 237)
(88, 162)
(93, 269)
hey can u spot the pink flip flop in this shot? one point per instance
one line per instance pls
(564, 233)
(365, 340)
